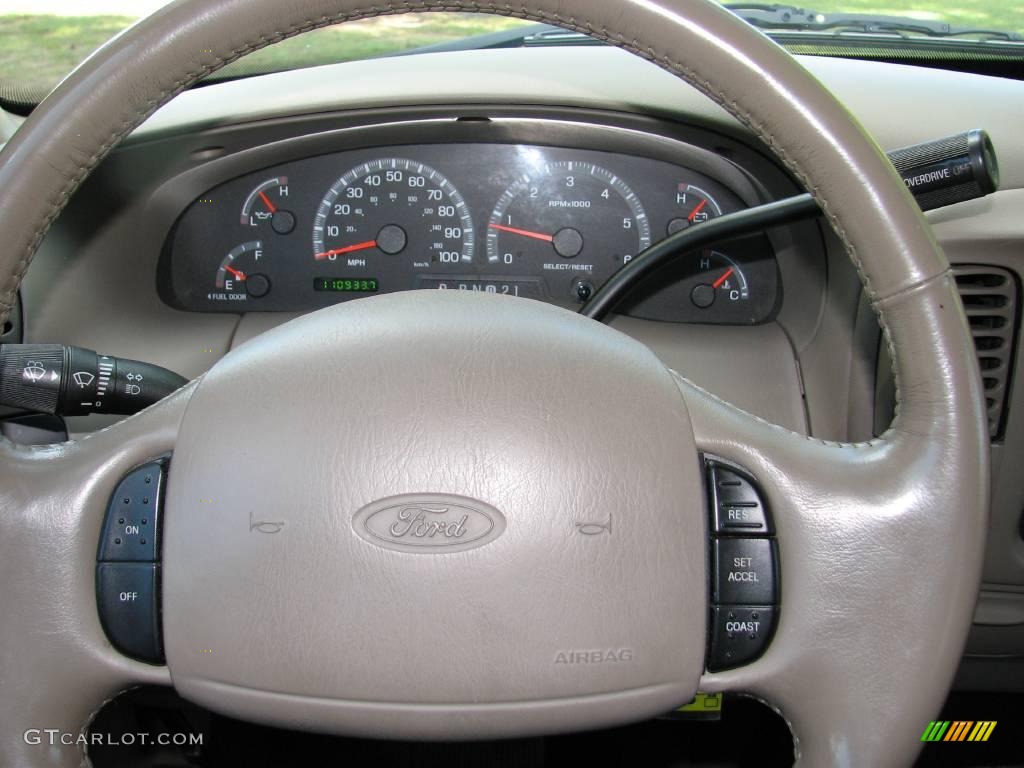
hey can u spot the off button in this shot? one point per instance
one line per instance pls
(127, 599)
(745, 572)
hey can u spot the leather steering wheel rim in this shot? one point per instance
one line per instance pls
(881, 542)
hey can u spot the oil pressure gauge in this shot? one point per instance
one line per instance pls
(266, 206)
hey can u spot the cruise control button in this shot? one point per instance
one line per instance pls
(739, 634)
(126, 595)
(132, 526)
(737, 504)
(745, 572)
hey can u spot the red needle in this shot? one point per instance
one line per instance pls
(346, 249)
(235, 272)
(693, 213)
(266, 202)
(718, 283)
(523, 232)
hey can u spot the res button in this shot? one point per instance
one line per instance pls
(736, 504)
(745, 572)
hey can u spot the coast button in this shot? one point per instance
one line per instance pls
(739, 634)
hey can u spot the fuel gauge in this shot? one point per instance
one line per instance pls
(266, 205)
(240, 274)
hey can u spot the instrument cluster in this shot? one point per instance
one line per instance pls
(540, 222)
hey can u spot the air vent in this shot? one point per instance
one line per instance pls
(989, 295)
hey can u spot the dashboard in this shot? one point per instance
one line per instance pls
(538, 221)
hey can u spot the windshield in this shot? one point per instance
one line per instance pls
(43, 40)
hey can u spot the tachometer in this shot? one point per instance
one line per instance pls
(567, 215)
(392, 208)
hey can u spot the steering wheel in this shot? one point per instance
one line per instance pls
(536, 421)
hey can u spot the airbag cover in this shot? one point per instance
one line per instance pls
(436, 515)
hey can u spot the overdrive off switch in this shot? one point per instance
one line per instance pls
(745, 593)
(128, 564)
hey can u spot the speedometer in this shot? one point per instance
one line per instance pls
(394, 209)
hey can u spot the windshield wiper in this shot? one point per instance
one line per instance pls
(774, 19)
(789, 18)
(777, 20)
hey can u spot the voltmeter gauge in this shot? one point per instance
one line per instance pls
(266, 206)
(695, 206)
(240, 275)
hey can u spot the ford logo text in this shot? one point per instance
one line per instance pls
(428, 523)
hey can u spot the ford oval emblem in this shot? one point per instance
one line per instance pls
(428, 523)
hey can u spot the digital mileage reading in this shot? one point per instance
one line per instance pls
(346, 284)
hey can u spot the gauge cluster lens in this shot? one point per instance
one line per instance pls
(545, 223)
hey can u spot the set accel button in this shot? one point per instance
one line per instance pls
(745, 572)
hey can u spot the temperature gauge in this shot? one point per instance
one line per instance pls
(719, 279)
(266, 205)
(239, 275)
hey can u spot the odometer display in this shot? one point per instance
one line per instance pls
(346, 284)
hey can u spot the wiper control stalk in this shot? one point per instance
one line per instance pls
(72, 381)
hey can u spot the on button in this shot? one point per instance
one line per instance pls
(132, 527)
